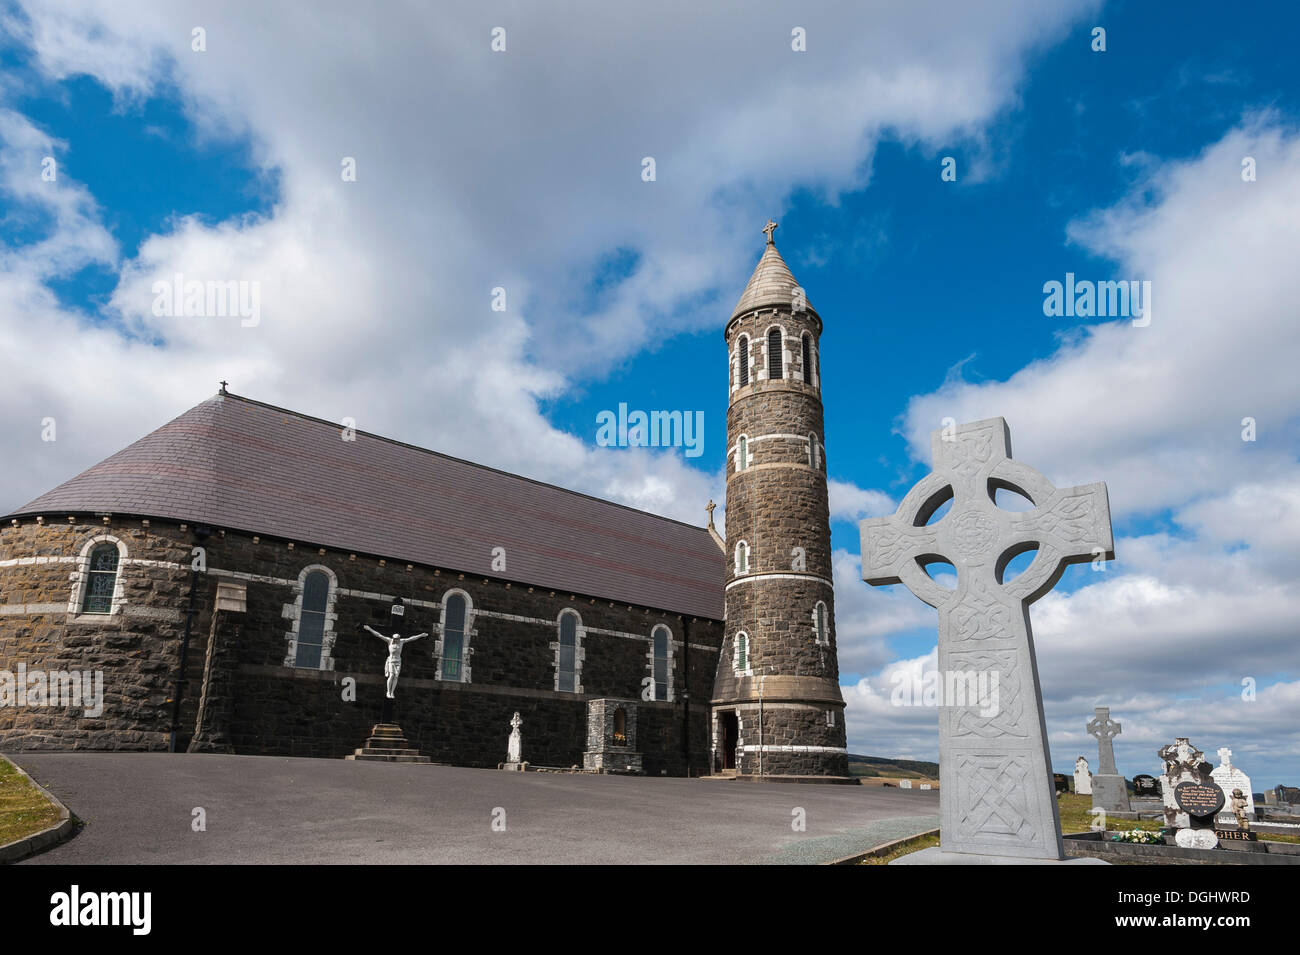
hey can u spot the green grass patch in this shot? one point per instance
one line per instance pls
(24, 810)
(1075, 816)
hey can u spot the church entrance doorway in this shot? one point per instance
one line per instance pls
(729, 731)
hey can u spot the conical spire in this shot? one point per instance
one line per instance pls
(772, 282)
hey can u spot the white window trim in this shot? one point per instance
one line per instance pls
(735, 381)
(816, 636)
(466, 637)
(742, 461)
(650, 661)
(814, 452)
(579, 631)
(293, 613)
(785, 352)
(735, 656)
(80, 579)
(746, 568)
(830, 718)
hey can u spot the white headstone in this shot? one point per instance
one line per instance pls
(1082, 777)
(1229, 777)
(904, 784)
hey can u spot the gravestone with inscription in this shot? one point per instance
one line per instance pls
(1082, 777)
(1229, 777)
(1191, 797)
(995, 788)
(1109, 790)
(1146, 785)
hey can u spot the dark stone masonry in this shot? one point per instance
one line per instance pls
(254, 703)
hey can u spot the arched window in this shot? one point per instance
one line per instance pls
(744, 360)
(742, 558)
(101, 581)
(807, 359)
(814, 452)
(775, 362)
(820, 629)
(311, 620)
(660, 639)
(566, 666)
(620, 727)
(453, 638)
(742, 453)
(741, 662)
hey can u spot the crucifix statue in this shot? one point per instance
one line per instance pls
(768, 230)
(393, 665)
(996, 795)
(1105, 730)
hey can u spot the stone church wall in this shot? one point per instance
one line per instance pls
(272, 708)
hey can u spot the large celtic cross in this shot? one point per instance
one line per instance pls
(996, 795)
(1105, 729)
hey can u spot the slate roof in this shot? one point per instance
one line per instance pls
(771, 284)
(239, 464)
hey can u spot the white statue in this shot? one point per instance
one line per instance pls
(515, 745)
(393, 665)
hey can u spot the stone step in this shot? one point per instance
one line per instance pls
(377, 758)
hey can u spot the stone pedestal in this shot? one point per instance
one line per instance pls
(1110, 793)
(935, 856)
(387, 743)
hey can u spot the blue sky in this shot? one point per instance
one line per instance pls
(523, 172)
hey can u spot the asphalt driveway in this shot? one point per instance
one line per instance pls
(141, 808)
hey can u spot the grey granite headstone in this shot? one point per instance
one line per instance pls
(1109, 790)
(996, 795)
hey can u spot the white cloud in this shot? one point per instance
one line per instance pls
(475, 170)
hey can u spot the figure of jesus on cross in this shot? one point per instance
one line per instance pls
(996, 795)
(393, 665)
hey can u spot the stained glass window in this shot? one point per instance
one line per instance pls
(568, 652)
(311, 620)
(102, 579)
(660, 637)
(742, 652)
(453, 638)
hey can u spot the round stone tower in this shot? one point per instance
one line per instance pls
(777, 708)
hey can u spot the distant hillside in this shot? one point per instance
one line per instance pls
(902, 768)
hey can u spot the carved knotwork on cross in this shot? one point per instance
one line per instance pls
(1105, 729)
(997, 795)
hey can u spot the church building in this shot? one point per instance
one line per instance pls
(219, 574)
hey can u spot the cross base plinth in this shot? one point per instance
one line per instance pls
(1110, 793)
(387, 743)
(934, 856)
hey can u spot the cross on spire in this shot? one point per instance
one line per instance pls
(709, 507)
(223, 386)
(768, 230)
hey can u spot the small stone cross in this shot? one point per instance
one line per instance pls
(996, 794)
(709, 507)
(1105, 729)
(768, 230)
(1225, 757)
